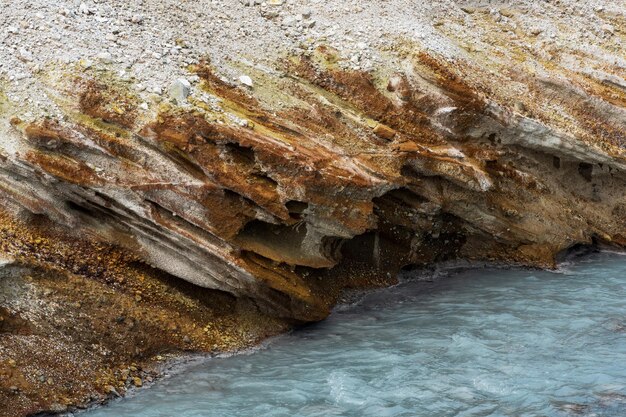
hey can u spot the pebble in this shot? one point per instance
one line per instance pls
(246, 80)
(25, 55)
(111, 390)
(179, 90)
(608, 28)
(84, 9)
(289, 21)
(105, 57)
(58, 408)
(384, 132)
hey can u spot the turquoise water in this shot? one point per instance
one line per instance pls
(475, 343)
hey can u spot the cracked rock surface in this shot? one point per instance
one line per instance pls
(273, 154)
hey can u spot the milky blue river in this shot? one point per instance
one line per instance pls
(475, 343)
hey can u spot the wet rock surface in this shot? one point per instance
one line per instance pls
(287, 160)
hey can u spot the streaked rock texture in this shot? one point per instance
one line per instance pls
(316, 174)
(353, 176)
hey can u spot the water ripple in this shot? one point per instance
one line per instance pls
(489, 343)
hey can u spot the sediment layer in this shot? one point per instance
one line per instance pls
(226, 211)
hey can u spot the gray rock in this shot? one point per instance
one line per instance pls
(289, 21)
(84, 9)
(179, 90)
(25, 55)
(105, 57)
(245, 80)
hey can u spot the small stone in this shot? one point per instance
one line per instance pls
(289, 21)
(105, 57)
(384, 131)
(25, 55)
(179, 90)
(186, 340)
(12, 29)
(407, 146)
(275, 2)
(84, 9)
(143, 106)
(507, 12)
(136, 18)
(13, 389)
(110, 389)
(58, 408)
(137, 381)
(245, 80)
(607, 28)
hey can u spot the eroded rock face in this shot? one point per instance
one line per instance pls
(351, 177)
(226, 198)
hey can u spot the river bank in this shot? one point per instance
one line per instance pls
(471, 342)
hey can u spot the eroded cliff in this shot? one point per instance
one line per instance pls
(484, 137)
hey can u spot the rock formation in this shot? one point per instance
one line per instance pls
(483, 137)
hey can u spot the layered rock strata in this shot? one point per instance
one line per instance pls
(279, 189)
